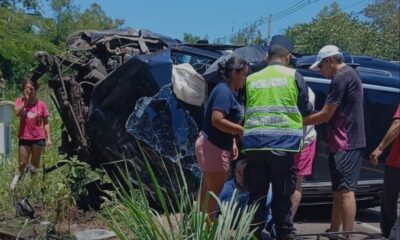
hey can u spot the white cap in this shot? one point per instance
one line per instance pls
(327, 51)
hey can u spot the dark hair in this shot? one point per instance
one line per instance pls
(277, 51)
(28, 81)
(233, 63)
(338, 58)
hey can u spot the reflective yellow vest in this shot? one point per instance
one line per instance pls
(272, 119)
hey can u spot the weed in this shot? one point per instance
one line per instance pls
(132, 217)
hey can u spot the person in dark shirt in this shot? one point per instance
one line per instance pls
(276, 101)
(343, 110)
(216, 145)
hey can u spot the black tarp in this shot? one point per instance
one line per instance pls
(256, 56)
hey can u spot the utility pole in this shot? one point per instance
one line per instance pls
(269, 29)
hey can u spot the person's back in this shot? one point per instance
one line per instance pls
(272, 108)
(276, 100)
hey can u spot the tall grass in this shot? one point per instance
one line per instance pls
(40, 189)
(132, 217)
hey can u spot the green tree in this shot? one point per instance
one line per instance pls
(20, 38)
(95, 18)
(377, 37)
(384, 17)
(190, 38)
(24, 4)
(249, 35)
(333, 26)
(22, 33)
(65, 15)
(258, 39)
(69, 19)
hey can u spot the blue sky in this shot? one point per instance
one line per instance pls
(214, 18)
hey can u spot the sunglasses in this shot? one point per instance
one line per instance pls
(322, 62)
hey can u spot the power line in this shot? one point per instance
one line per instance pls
(293, 10)
(285, 11)
(281, 14)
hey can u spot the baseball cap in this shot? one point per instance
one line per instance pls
(282, 41)
(326, 51)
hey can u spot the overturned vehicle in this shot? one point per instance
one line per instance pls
(114, 94)
(132, 95)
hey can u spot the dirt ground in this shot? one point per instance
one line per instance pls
(72, 221)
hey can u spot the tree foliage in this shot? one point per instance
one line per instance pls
(95, 18)
(23, 33)
(249, 35)
(68, 19)
(20, 36)
(190, 38)
(334, 26)
(384, 17)
(32, 5)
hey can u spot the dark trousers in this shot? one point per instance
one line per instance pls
(391, 189)
(262, 168)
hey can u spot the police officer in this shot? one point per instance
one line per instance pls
(277, 99)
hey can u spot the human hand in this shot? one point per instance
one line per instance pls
(373, 157)
(48, 143)
(29, 94)
(235, 151)
(24, 100)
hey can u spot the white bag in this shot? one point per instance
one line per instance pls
(188, 85)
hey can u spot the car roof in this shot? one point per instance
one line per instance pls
(371, 70)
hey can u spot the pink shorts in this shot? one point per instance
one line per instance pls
(210, 157)
(304, 160)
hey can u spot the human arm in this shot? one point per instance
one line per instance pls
(45, 116)
(219, 121)
(223, 104)
(337, 90)
(20, 104)
(303, 103)
(390, 135)
(48, 133)
(322, 116)
(235, 150)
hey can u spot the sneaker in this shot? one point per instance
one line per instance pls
(14, 182)
(265, 235)
(32, 169)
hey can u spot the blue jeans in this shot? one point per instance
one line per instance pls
(242, 198)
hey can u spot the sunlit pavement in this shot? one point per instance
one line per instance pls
(316, 220)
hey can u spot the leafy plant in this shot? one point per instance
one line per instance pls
(132, 216)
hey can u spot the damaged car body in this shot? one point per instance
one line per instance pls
(114, 93)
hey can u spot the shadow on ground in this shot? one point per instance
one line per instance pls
(322, 214)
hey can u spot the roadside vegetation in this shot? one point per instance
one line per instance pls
(131, 216)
